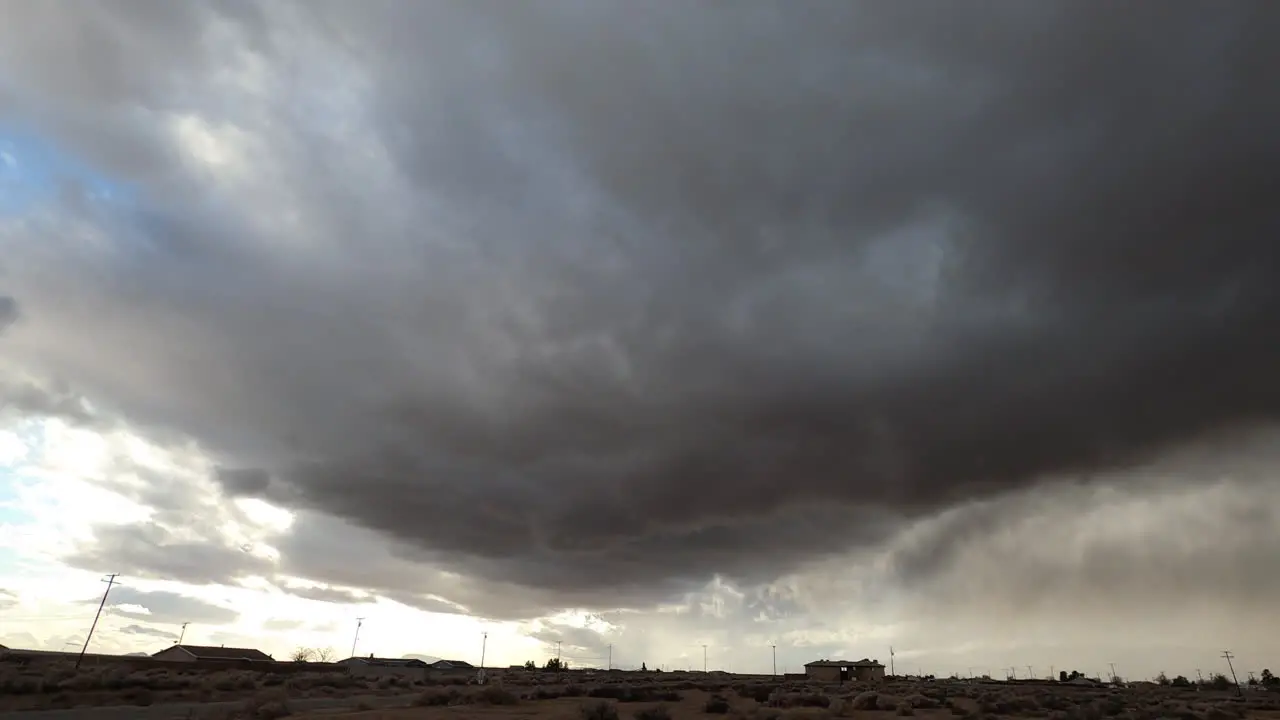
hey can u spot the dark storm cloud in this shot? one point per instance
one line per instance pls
(21, 396)
(600, 298)
(8, 311)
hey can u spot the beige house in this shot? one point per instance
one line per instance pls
(839, 671)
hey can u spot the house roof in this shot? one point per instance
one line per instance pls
(386, 662)
(845, 663)
(452, 663)
(204, 652)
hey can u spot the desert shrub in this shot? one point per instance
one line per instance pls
(716, 705)
(759, 693)
(598, 710)
(1112, 705)
(1054, 702)
(495, 695)
(548, 693)
(865, 700)
(139, 696)
(573, 691)
(797, 699)
(438, 696)
(904, 708)
(657, 712)
(267, 705)
(921, 701)
(628, 693)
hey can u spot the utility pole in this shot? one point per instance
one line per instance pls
(1199, 677)
(704, 659)
(1030, 675)
(891, 672)
(183, 634)
(1113, 671)
(775, 660)
(484, 645)
(1052, 675)
(356, 639)
(970, 673)
(610, 656)
(1227, 654)
(1013, 673)
(558, 652)
(109, 580)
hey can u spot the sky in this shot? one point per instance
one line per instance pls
(644, 326)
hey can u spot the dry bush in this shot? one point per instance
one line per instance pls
(866, 700)
(496, 695)
(438, 696)
(920, 701)
(716, 705)
(627, 693)
(657, 712)
(267, 705)
(904, 708)
(796, 699)
(598, 710)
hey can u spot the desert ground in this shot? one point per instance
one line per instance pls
(57, 691)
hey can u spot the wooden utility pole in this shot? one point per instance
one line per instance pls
(1228, 655)
(109, 580)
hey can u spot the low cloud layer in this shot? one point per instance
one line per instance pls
(165, 608)
(596, 301)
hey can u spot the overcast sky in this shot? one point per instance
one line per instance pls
(835, 326)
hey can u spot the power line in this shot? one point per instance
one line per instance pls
(109, 580)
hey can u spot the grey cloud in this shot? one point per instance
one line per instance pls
(281, 624)
(7, 599)
(27, 398)
(167, 608)
(150, 550)
(244, 481)
(8, 311)
(148, 631)
(324, 594)
(621, 297)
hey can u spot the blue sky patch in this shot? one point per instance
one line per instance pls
(33, 170)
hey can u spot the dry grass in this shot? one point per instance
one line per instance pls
(617, 696)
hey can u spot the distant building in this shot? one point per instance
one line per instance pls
(451, 665)
(195, 653)
(375, 667)
(384, 662)
(844, 670)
